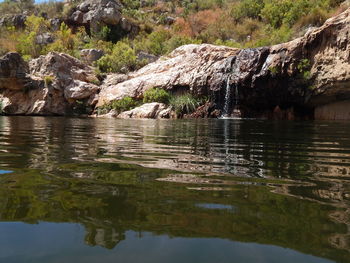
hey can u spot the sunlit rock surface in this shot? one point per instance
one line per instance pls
(297, 76)
(49, 85)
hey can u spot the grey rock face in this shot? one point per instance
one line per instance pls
(18, 21)
(49, 85)
(152, 110)
(91, 55)
(44, 39)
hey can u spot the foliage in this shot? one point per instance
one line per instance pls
(124, 104)
(156, 95)
(1, 107)
(15, 7)
(304, 68)
(48, 80)
(66, 41)
(243, 23)
(122, 58)
(27, 41)
(247, 9)
(185, 103)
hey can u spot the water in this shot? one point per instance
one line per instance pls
(104, 190)
(227, 104)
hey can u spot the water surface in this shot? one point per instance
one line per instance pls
(104, 190)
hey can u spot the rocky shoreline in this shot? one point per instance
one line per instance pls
(307, 78)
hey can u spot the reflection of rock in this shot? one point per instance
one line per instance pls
(104, 237)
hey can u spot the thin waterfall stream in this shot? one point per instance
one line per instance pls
(236, 113)
(227, 99)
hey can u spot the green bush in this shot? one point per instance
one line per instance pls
(304, 68)
(1, 107)
(48, 80)
(156, 95)
(184, 104)
(247, 9)
(27, 45)
(67, 42)
(124, 104)
(122, 58)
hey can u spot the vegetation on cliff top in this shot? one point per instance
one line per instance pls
(165, 26)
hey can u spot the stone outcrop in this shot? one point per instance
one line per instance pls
(152, 110)
(49, 85)
(17, 21)
(95, 14)
(91, 55)
(297, 76)
(196, 68)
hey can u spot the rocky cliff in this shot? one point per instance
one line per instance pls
(307, 77)
(55, 84)
(285, 81)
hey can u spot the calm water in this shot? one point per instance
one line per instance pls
(101, 190)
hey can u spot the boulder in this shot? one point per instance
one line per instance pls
(145, 56)
(152, 110)
(91, 55)
(49, 85)
(17, 21)
(95, 14)
(55, 24)
(13, 72)
(44, 39)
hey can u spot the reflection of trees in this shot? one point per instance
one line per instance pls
(81, 170)
(108, 205)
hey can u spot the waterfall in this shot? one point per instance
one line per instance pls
(227, 112)
(227, 98)
(236, 97)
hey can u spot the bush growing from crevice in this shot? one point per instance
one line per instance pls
(185, 103)
(124, 104)
(156, 95)
(1, 107)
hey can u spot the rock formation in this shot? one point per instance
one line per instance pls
(49, 85)
(309, 76)
(95, 14)
(297, 76)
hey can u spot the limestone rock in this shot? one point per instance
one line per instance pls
(91, 55)
(152, 110)
(145, 56)
(44, 39)
(189, 66)
(13, 72)
(79, 90)
(50, 85)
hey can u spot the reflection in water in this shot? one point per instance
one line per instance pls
(284, 184)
